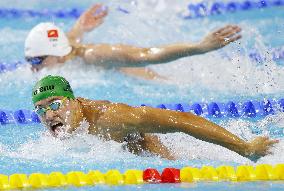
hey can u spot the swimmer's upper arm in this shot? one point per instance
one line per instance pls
(143, 119)
(155, 120)
(116, 55)
(126, 55)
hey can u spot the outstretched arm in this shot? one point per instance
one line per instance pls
(88, 20)
(162, 121)
(154, 120)
(126, 55)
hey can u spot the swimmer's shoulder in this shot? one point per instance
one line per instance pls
(102, 106)
(89, 102)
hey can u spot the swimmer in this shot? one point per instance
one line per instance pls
(46, 46)
(61, 112)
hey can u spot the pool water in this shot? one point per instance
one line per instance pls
(223, 75)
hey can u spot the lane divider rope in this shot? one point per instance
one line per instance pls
(274, 54)
(262, 172)
(247, 109)
(196, 10)
(205, 9)
(6, 66)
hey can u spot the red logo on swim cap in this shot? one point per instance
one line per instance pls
(52, 33)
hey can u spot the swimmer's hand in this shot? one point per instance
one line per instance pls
(220, 38)
(259, 147)
(88, 20)
(92, 18)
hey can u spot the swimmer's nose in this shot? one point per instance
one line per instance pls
(50, 115)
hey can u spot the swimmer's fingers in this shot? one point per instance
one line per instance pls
(221, 37)
(232, 39)
(260, 147)
(219, 30)
(230, 32)
(269, 144)
(227, 34)
(92, 18)
(224, 29)
(98, 11)
(272, 142)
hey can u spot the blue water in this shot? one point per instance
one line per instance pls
(223, 75)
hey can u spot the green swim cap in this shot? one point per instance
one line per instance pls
(51, 86)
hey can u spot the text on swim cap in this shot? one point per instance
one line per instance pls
(43, 89)
(68, 88)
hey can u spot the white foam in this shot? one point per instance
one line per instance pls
(82, 146)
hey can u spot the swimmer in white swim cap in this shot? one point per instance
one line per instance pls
(46, 45)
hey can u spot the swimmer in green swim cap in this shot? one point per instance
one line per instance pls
(47, 46)
(60, 111)
(52, 86)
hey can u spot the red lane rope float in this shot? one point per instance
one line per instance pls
(262, 172)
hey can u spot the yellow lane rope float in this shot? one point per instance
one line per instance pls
(262, 172)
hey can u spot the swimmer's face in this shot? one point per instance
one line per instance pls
(57, 114)
(49, 61)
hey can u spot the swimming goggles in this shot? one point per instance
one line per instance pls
(36, 60)
(54, 106)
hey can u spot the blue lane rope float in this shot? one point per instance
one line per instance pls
(10, 66)
(250, 109)
(198, 10)
(254, 55)
(21, 116)
(276, 54)
(247, 109)
(205, 9)
(45, 13)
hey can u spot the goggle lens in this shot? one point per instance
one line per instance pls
(55, 105)
(36, 60)
(40, 111)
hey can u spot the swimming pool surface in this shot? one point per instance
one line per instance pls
(223, 75)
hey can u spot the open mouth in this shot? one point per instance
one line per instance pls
(55, 126)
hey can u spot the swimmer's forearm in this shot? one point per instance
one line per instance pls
(213, 133)
(197, 127)
(75, 35)
(173, 52)
(127, 56)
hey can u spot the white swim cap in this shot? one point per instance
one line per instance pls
(46, 39)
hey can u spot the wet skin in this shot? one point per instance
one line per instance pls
(128, 59)
(57, 121)
(115, 121)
